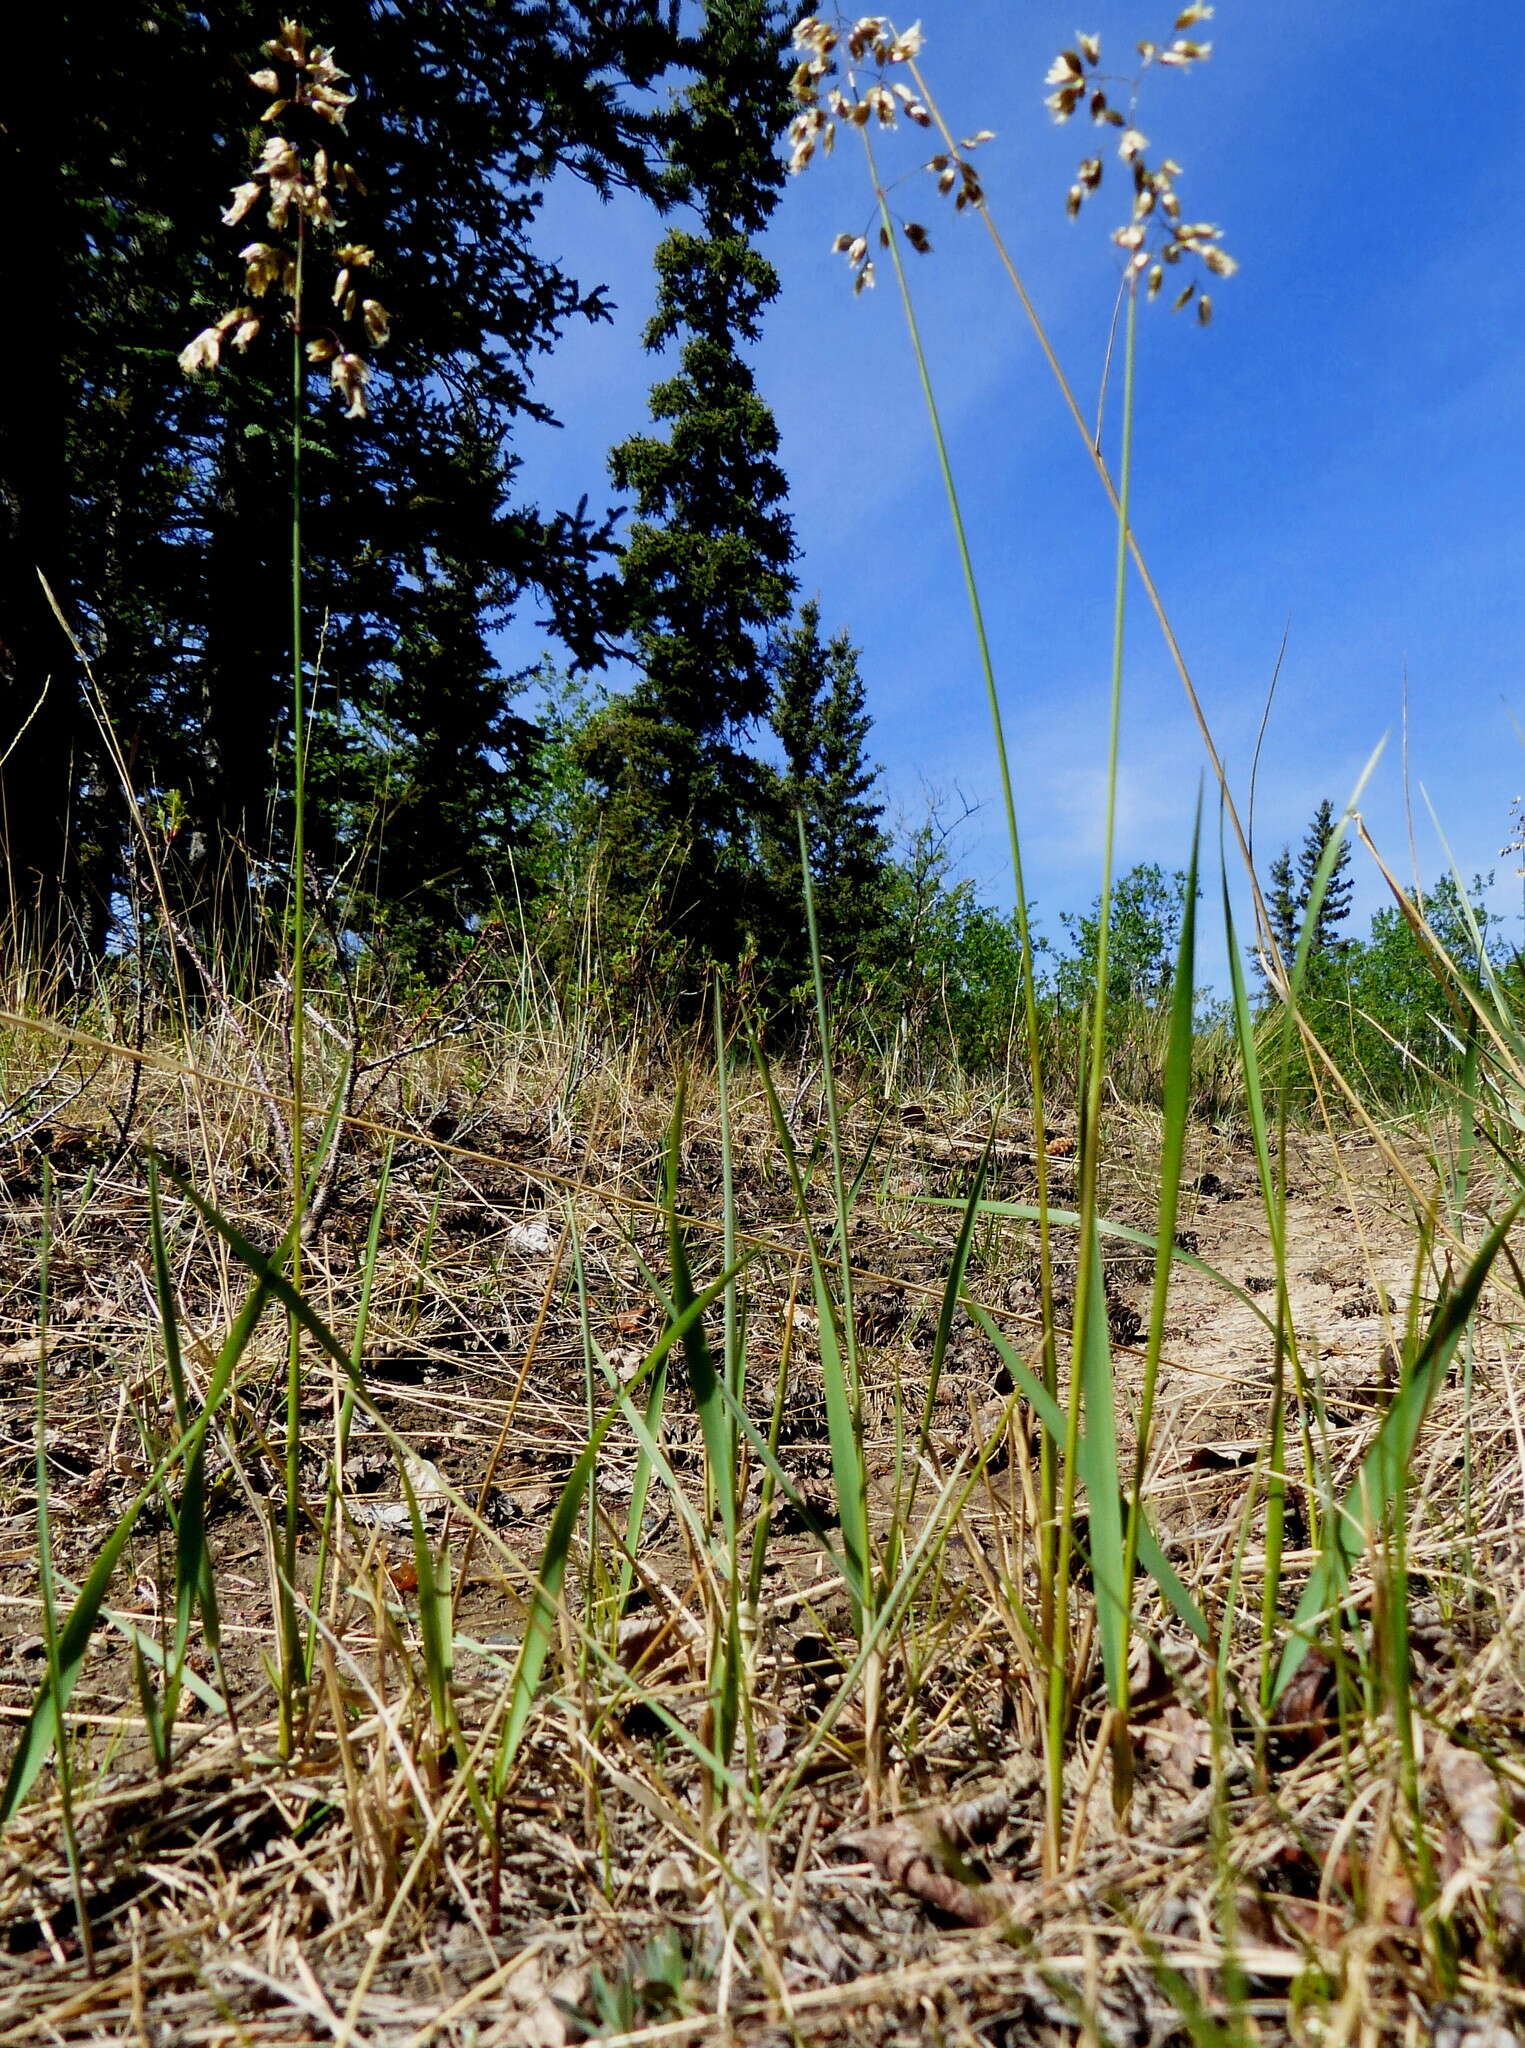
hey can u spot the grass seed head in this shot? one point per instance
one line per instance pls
(295, 184)
(1154, 238)
(829, 96)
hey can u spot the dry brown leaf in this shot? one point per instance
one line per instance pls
(538, 2010)
(1306, 1708)
(1471, 1789)
(1180, 1744)
(655, 1638)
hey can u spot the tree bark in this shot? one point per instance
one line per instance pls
(40, 709)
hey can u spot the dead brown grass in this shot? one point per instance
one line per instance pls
(1262, 1887)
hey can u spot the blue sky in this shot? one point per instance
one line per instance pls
(1338, 456)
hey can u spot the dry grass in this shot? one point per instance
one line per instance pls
(1266, 1884)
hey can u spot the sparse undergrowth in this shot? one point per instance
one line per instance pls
(856, 1865)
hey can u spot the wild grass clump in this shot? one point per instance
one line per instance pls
(529, 1530)
(607, 1519)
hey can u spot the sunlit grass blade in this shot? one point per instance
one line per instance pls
(305, 1180)
(640, 1479)
(748, 1432)
(953, 1287)
(844, 1429)
(838, 1331)
(41, 1726)
(947, 1311)
(1175, 1120)
(847, 1333)
(632, 1691)
(195, 1578)
(1053, 1420)
(540, 1622)
(1096, 1456)
(843, 1426)
(269, 1271)
(434, 1610)
(1284, 1339)
(734, 1346)
(728, 1689)
(1323, 875)
(703, 1380)
(1257, 1114)
(1359, 1517)
(154, 1657)
(333, 1504)
(897, 1596)
(56, 1683)
(1125, 1233)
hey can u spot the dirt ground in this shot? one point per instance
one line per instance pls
(347, 1891)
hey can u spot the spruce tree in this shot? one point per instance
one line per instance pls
(1282, 904)
(158, 504)
(1335, 905)
(827, 778)
(1291, 889)
(706, 567)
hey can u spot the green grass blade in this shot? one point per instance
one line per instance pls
(1052, 1417)
(1254, 1091)
(48, 1588)
(434, 1615)
(948, 1307)
(1176, 1115)
(837, 1334)
(553, 1564)
(41, 1726)
(268, 1270)
(727, 1679)
(703, 1380)
(898, 1594)
(734, 1352)
(195, 1579)
(1096, 1452)
(631, 1686)
(747, 1429)
(1323, 874)
(154, 1711)
(847, 1329)
(1357, 1519)
(153, 1655)
(656, 1397)
(164, 1289)
(849, 1474)
(347, 1406)
(953, 1287)
(1028, 1212)
(1282, 1333)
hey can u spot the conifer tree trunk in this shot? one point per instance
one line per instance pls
(38, 682)
(230, 813)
